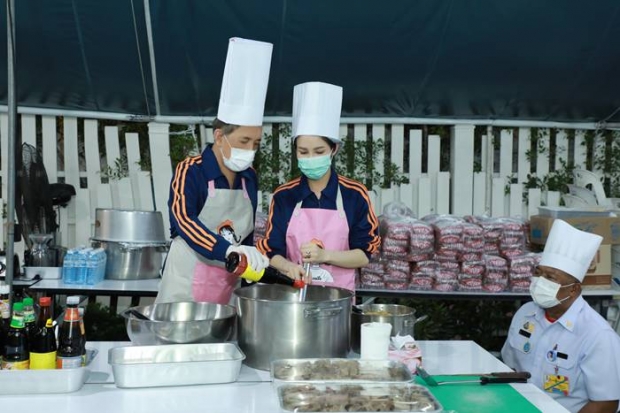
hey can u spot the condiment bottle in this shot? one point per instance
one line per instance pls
(238, 264)
(15, 352)
(69, 354)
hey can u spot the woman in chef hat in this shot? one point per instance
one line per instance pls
(321, 218)
(213, 196)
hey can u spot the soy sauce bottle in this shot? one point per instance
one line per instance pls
(15, 354)
(43, 346)
(69, 355)
(238, 264)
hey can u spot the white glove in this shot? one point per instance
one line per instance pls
(256, 260)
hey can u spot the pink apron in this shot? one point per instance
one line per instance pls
(188, 276)
(328, 226)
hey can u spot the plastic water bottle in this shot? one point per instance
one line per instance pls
(82, 265)
(68, 267)
(96, 258)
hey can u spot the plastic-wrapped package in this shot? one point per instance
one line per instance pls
(397, 285)
(427, 267)
(398, 265)
(394, 275)
(522, 264)
(470, 256)
(420, 282)
(446, 286)
(493, 288)
(445, 276)
(370, 278)
(500, 278)
(373, 266)
(449, 266)
(520, 286)
(493, 262)
(476, 268)
(470, 284)
(379, 285)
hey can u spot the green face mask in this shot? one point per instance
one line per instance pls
(314, 168)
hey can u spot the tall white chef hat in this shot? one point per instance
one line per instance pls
(244, 86)
(569, 249)
(316, 110)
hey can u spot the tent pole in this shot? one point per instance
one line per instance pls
(12, 115)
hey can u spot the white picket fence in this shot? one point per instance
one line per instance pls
(73, 154)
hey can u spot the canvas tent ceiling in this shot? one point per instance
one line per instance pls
(464, 59)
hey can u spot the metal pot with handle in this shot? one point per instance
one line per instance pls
(401, 317)
(273, 324)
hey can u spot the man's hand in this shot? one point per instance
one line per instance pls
(256, 260)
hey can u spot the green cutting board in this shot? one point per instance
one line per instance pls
(474, 398)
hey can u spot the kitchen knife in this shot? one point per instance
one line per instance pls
(490, 378)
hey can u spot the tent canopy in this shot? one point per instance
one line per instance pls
(463, 59)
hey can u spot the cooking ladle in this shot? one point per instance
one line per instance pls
(138, 314)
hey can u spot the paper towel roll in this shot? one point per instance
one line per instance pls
(375, 341)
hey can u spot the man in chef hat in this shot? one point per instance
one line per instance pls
(322, 220)
(570, 350)
(217, 191)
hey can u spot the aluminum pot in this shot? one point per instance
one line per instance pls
(127, 261)
(180, 323)
(124, 225)
(401, 317)
(273, 324)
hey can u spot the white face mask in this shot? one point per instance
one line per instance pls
(240, 159)
(545, 292)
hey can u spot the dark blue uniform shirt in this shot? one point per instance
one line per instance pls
(363, 224)
(188, 194)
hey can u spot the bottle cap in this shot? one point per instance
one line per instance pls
(28, 301)
(45, 301)
(18, 306)
(73, 300)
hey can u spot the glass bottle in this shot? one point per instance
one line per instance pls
(238, 265)
(15, 351)
(69, 353)
(30, 319)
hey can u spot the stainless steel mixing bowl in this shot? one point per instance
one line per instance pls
(182, 322)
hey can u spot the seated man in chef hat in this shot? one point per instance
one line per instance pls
(570, 350)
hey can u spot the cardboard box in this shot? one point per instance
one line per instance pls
(599, 274)
(596, 282)
(606, 227)
(601, 265)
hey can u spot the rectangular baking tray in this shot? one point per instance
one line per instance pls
(360, 397)
(175, 365)
(342, 370)
(45, 381)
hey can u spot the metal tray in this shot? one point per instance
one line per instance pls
(368, 397)
(45, 381)
(338, 369)
(175, 365)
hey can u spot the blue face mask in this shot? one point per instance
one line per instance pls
(314, 168)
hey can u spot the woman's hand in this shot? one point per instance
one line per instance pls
(295, 272)
(313, 254)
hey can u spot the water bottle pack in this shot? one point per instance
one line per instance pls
(84, 266)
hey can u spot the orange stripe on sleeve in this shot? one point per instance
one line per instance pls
(179, 211)
(374, 244)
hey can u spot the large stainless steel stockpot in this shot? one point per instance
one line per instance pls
(124, 225)
(273, 324)
(127, 261)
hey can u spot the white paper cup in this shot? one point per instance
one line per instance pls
(375, 341)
